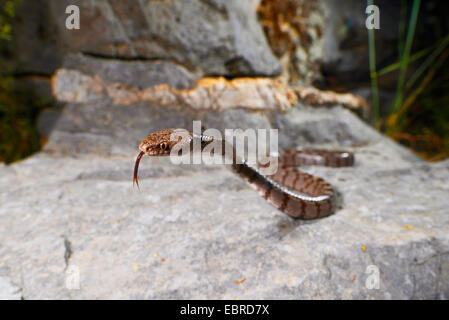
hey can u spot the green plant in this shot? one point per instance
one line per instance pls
(7, 12)
(19, 137)
(18, 108)
(405, 56)
(373, 73)
(419, 116)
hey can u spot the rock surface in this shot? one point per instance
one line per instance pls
(201, 232)
(208, 37)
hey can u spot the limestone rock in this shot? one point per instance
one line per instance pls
(73, 227)
(192, 232)
(207, 94)
(207, 37)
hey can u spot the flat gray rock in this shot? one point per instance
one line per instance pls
(75, 228)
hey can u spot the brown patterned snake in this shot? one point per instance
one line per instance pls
(296, 193)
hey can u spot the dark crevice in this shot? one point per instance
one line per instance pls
(234, 65)
(239, 76)
(216, 7)
(137, 59)
(68, 251)
(121, 58)
(114, 57)
(26, 74)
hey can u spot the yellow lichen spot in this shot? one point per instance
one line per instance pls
(310, 233)
(236, 298)
(409, 227)
(240, 282)
(155, 255)
(135, 267)
(363, 248)
(118, 220)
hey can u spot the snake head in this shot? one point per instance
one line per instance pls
(160, 149)
(159, 143)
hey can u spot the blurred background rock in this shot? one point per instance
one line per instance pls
(324, 44)
(319, 43)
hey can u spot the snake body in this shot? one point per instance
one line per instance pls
(296, 193)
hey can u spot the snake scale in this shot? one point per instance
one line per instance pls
(296, 193)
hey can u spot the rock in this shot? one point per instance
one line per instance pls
(8, 290)
(127, 83)
(70, 216)
(206, 37)
(140, 74)
(192, 232)
(36, 47)
(105, 118)
(207, 93)
(105, 115)
(294, 30)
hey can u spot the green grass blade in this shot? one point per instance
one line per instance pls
(412, 58)
(430, 59)
(401, 37)
(424, 83)
(373, 74)
(405, 57)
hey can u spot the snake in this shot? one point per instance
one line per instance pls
(294, 192)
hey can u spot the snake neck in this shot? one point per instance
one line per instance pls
(294, 192)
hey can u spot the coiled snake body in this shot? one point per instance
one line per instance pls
(296, 193)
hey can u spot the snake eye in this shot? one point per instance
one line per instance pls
(163, 146)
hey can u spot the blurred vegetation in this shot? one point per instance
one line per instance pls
(18, 107)
(7, 12)
(419, 115)
(18, 112)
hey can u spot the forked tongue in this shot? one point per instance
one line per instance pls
(136, 169)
